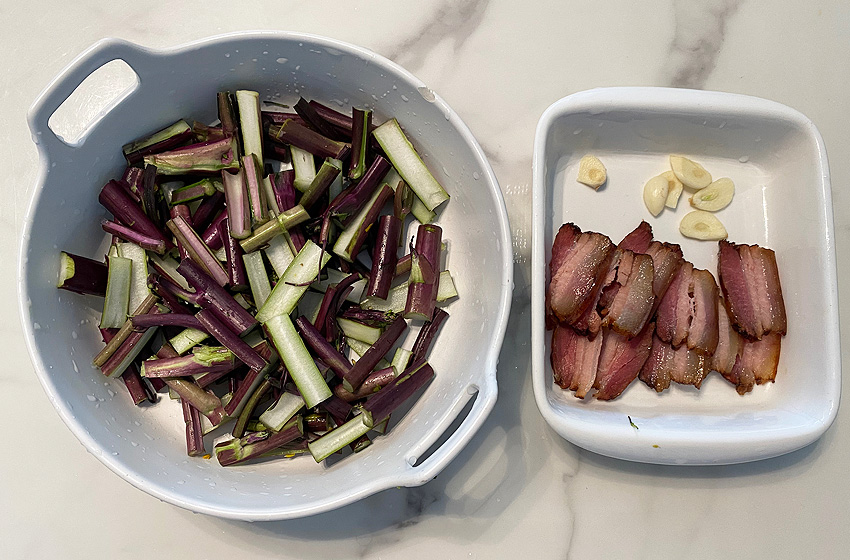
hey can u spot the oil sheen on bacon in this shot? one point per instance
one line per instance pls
(574, 359)
(666, 364)
(749, 279)
(631, 305)
(620, 361)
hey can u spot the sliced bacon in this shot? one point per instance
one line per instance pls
(667, 260)
(749, 279)
(762, 357)
(632, 303)
(666, 364)
(688, 311)
(574, 360)
(744, 379)
(638, 240)
(579, 263)
(620, 361)
(729, 343)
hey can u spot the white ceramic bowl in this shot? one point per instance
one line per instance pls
(777, 160)
(146, 446)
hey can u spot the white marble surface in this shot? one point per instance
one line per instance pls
(518, 488)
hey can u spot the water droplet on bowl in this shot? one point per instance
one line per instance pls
(744, 159)
(404, 98)
(282, 60)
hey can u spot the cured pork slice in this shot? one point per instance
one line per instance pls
(574, 359)
(580, 261)
(639, 239)
(729, 343)
(620, 361)
(631, 303)
(666, 260)
(666, 364)
(688, 311)
(762, 357)
(749, 279)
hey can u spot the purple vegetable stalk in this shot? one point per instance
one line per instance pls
(206, 402)
(195, 191)
(384, 257)
(248, 409)
(206, 133)
(211, 236)
(194, 430)
(399, 390)
(215, 298)
(316, 121)
(338, 409)
(427, 334)
(284, 189)
(317, 422)
(117, 340)
(202, 360)
(333, 298)
(424, 273)
(323, 349)
(171, 293)
(139, 392)
(371, 385)
(183, 211)
(254, 444)
(150, 205)
(132, 345)
(349, 202)
(197, 249)
(133, 236)
(169, 137)
(329, 171)
(132, 181)
(371, 317)
(82, 275)
(290, 132)
(205, 157)
(166, 320)
(238, 204)
(361, 126)
(207, 210)
(279, 117)
(231, 340)
(280, 223)
(360, 237)
(237, 276)
(342, 122)
(115, 199)
(363, 367)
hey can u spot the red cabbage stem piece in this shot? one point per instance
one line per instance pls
(115, 199)
(384, 257)
(238, 205)
(319, 186)
(169, 137)
(82, 275)
(349, 202)
(207, 403)
(136, 386)
(211, 236)
(284, 189)
(372, 215)
(402, 201)
(334, 295)
(231, 340)
(278, 117)
(338, 409)
(198, 250)
(290, 132)
(254, 444)
(207, 210)
(157, 384)
(184, 366)
(237, 276)
(214, 297)
(127, 346)
(342, 122)
(362, 121)
(171, 294)
(316, 121)
(132, 181)
(149, 199)
(323, 349)
(424, 273)
(256, 197)
(317, 422)
(204, 157)
(367, 362)
(274, 227)
(228, 117)
(114, 342)
(371, 384)
(166, 320)
(206, 133)
(399, 390)
(194, 430)
(195, 191)
(248, 409)
(183, 211)
(371, 317)
(427, 334)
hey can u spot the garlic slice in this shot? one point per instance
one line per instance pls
(715, 196)
(591, 172)
(690, 173)
(674, 189)
(702, 225)
(655, 194)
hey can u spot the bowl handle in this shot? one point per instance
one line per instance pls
(139, 59)
(434, 464)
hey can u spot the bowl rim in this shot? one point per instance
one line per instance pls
(104, 51)
(693, 445)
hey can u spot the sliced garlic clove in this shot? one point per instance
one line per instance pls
(591, 172)
(674, 189)
(715, 196)
(655, 194)
(702, 225)
(690, 173)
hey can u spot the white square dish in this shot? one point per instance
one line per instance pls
(776, 158)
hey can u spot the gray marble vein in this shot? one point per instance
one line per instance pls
(451, 20)
(697, 40)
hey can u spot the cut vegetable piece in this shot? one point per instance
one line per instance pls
(117, 299)
(364, 366)
(82, 275)
(238, 205)
(361, 125)
(655, 194)
(294, 282)
(279, 253)
(715, 196)
(195, 191)
(258, 279)
(139, 277)
(326, 175)
(338, 438)
(277, 415)
(424, 273)
(702, 225)
(253, 173)
(359, 331)
(206, 157)
(591, 172)
(690, 173)
(205, 359)
(186, 339)
(274, 227)
(255, 444)
(297, 135)
(323, 349)
(409, 164)
(297, 359)
(397, 298)
(674, 189)
(169, 137)
(351, 239)
(304, 167)
(198, 251)
(249, 122)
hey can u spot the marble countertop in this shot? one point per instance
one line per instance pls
(518, 488)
